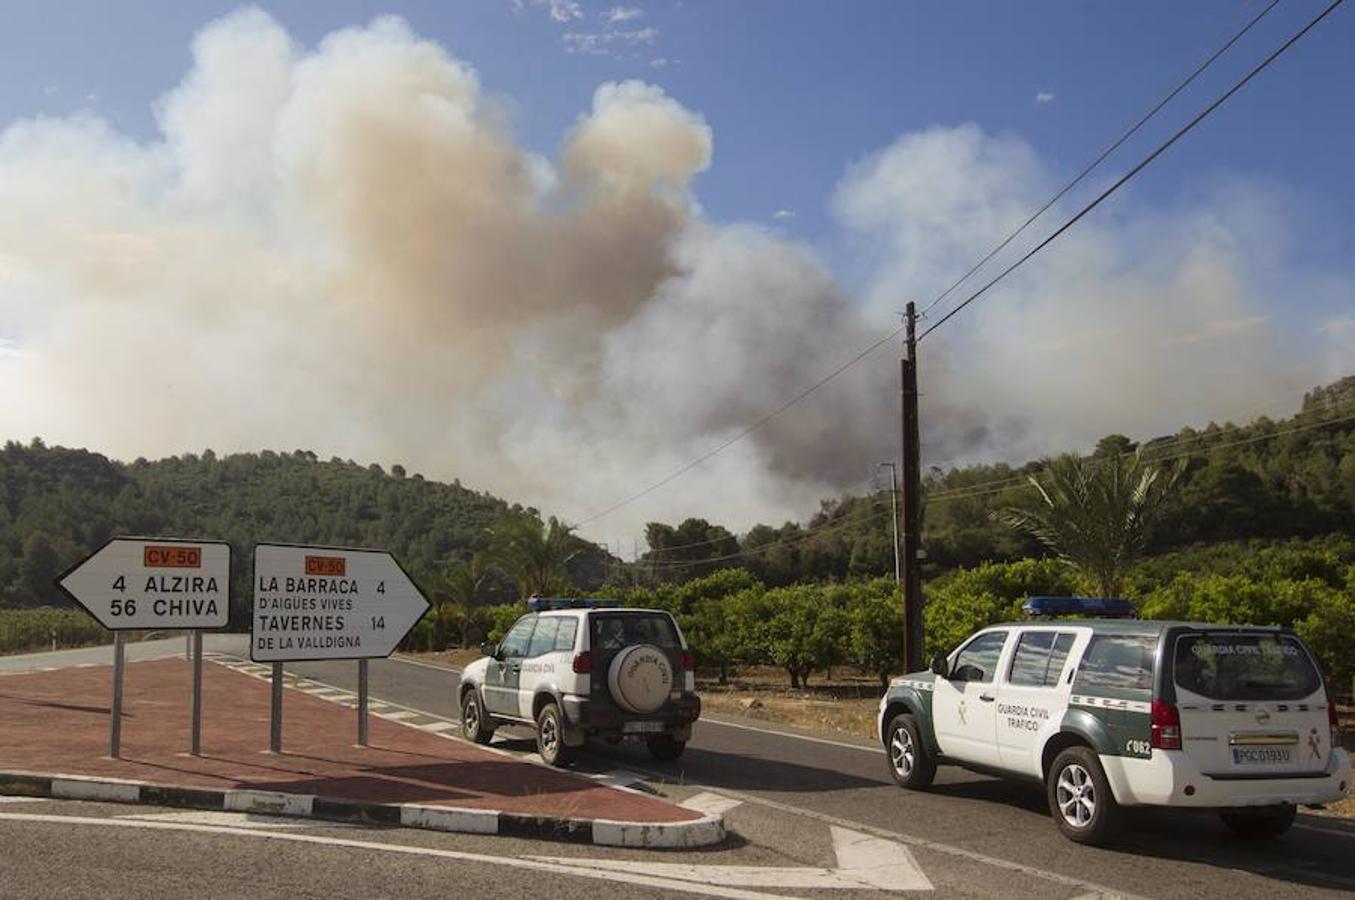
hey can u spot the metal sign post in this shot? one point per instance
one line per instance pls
(115, 711)
(362, 703)
(196, 748)
(314, 603)
(154, 584)
(275, 717)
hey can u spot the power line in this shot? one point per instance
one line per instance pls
(1087, 170)
(1162, 148)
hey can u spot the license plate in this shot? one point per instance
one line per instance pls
(642, 727)
(1262, 756)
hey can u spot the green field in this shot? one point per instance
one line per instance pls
(44, 628)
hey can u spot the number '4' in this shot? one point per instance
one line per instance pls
(120, 584)
(381, 587)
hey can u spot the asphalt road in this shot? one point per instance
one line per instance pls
(994, 829)
(790, 797)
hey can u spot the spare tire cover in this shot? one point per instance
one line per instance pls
(640, 678)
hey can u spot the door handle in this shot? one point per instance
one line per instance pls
(987, 698)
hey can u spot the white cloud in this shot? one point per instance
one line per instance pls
(564, 10)
(784, 214)
(1044, 97)
(609, 43)
(619, 14)
(658, 62)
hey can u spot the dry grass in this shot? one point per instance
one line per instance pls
(844, 706)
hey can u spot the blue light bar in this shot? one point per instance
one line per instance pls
(540, 604)
(1107, 607)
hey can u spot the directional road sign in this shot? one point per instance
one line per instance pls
(329, 603)
(154, 583)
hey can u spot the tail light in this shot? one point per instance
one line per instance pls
(1166, 722)
(1334, 721)
(689, 661)
(583, 662)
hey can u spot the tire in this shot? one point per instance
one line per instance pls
(550, 737)
(1080, 798)
(1269, 822)
(665, 748)
(910, 763)
(640, 679)
(475, 724)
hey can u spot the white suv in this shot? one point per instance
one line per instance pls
(1109, 714)
(575, 669)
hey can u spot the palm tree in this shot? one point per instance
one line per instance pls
(458, 600)
(533, 554)
(1095, 513)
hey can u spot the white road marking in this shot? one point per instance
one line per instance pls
(399, 716)
(787, 734)
(617, 778)
(23, 799)
(863, 862)
(235, 820)
(567, 867)
(423, 665)
(710, 803)
(915, 841)
(439, 726)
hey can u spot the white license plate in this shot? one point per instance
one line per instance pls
(1262, 756)
(642, 727)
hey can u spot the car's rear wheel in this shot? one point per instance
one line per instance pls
(475, 725)
(1267, 822)
(909, 762)
(550, 737)
(665, 747)
(1080, 798)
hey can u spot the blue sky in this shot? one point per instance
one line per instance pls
(796, 91)
(333, 221)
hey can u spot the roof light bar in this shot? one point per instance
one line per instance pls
(1100, 607)
(540, 604)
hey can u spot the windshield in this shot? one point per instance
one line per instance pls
(612, 632)
(1245, 667)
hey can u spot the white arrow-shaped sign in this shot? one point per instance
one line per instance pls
(329, 603)
(863, 863)
(154, 583)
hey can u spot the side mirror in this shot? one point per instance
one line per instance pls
(489, 648)
(939, 666)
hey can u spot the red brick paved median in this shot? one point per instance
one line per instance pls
(57, 722)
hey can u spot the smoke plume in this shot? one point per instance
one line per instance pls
(344, 248)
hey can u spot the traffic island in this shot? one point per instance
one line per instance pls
(54, 743)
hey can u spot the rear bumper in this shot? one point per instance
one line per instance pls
(600, 718)
(1164, 780)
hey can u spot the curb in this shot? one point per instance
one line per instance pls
(702, 832)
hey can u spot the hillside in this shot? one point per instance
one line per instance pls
(1270, 479)
(58, 504)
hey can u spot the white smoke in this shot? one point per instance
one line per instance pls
(344, 249)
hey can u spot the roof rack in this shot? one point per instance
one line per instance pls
(1093, 607)
(540, 604)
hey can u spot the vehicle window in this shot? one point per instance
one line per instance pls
(1030, 662)
(543, 638)
(615, 632)
(1245, 667)
(1122, 661)
(1063, 645)
(564, 638)
(515, 642)
(978, 660)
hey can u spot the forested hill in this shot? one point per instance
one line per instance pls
(1270, 479)
(58, 504)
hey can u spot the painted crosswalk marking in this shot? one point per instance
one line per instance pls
(710, 803)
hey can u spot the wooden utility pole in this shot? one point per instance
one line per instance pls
(910, 531)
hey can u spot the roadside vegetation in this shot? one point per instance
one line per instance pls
(29, 630)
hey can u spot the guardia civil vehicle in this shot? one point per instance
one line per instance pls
(577, 669)
(1114, 712)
